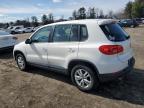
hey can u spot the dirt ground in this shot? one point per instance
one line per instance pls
(39, 88)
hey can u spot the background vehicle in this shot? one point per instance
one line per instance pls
(7, 40)
(90, 51)
(128, 23)
(142, 20)
(26, 30)
(36, 28)
(138, 20)
(14, 29)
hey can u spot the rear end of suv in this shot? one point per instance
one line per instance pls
(90, 51)
(119, 51)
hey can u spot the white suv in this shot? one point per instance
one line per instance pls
(90, 51)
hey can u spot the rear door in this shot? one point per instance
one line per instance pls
(118, 36)
(63, 46)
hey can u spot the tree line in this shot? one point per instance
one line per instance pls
(132, 10)
(91, 13)
(81, 13)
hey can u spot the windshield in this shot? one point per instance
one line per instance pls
(3, 33)
(114, 32)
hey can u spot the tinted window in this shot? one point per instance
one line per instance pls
(17, 28)
(83, 32)
(114, 32)
(74, 33)
(42, 35)
(62, 33)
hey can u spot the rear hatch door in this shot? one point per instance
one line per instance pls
(118, 36)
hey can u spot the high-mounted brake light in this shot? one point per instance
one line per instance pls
(111, 49)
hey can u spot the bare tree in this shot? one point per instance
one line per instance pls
(110, 14)
(101, 14)
(97, 12)
(34, 21)
(91, 13)
(74, 14)
(82, 13)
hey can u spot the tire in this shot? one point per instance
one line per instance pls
(86, 83)
(13, 32)
(21, 62)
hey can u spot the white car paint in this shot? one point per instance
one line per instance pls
(26, 30)
(14, 29)
(61, 54)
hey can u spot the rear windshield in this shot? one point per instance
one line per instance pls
(114, 32)
(3, 33)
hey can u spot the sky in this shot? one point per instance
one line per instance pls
(11, 10)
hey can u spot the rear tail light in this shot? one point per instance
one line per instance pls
(111, 49)
(15, 38)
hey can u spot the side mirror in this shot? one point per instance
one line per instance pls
(28, 41)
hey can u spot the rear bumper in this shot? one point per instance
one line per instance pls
(113, 76)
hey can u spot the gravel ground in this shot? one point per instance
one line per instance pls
(39, 88)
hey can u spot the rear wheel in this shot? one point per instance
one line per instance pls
(21, 62)
(84, 78)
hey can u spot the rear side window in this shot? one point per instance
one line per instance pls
(83, 32)
(62, 33)
(114, 32)
(74, 33)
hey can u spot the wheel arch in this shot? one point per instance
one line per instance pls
(17, 52)
(75, 62)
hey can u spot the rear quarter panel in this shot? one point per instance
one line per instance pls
(89, 51)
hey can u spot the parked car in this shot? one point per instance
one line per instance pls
(14, 29)
(29, 30)
(9, 28)
(7, 41)
(142, 20)
(138, 20)
(128, 23)
(90, 51)
(26, 30)
(36, 28)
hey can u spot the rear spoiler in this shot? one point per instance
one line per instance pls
(107, 21)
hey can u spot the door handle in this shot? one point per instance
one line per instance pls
(71, 50)
(44, 49)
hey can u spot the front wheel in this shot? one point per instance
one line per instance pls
(21, 62)
(84, 78)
